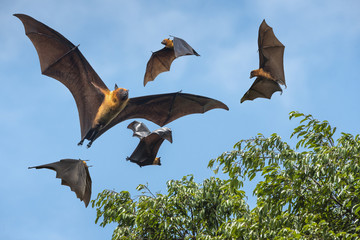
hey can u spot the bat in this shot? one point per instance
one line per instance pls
(160, 61)
(271, 71)
(150, 142)
(99, 108)
(73, 173)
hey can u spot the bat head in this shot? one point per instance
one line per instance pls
(156, 161)
(253, 73)
(122, 94)
(168, 43)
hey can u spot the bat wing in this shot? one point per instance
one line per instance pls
(146, 151)
(73, 173)
(160, 61)
(140, 129)
(271, 53)
(261, 88)
(62, 60)
(162, 109)
(182, 48)
(164, 133)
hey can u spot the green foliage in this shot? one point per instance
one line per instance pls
(189, 210)
(312, 194)
(311, 191)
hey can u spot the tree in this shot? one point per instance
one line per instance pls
(308, 194)
(189, 210)
(311, 191)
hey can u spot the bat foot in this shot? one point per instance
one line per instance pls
(80, 143)
(89, 144)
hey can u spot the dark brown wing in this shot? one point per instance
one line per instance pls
(62, 60)
(261, 88)
(160, 61)
(271, 53)
(143, 155)
(148, 147)
(162, 109)
(73, 173)
(182, 48)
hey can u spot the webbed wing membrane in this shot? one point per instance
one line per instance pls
(271, 53)
(165, 108)
(261, 88)
(160, 61)
(164, 133)
(182, 48)
(139, 129)
(73, 173)
(62, 60)
(143, 155)
(162, 109)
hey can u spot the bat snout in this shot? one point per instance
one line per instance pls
(252, 74)
(122, 94)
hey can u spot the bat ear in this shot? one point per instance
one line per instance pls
(116, 86)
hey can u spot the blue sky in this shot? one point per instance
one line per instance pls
(39, 121)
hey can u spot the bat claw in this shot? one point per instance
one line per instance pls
(80, 143)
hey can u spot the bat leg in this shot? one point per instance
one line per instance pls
(91, 135)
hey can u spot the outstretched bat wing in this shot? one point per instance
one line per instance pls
(162, 109)
(73, 173)
(182, 48)
(160, 61)
(62, 60)
(261, 88)
(148, 147)
(271, 53)
(140, 129)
